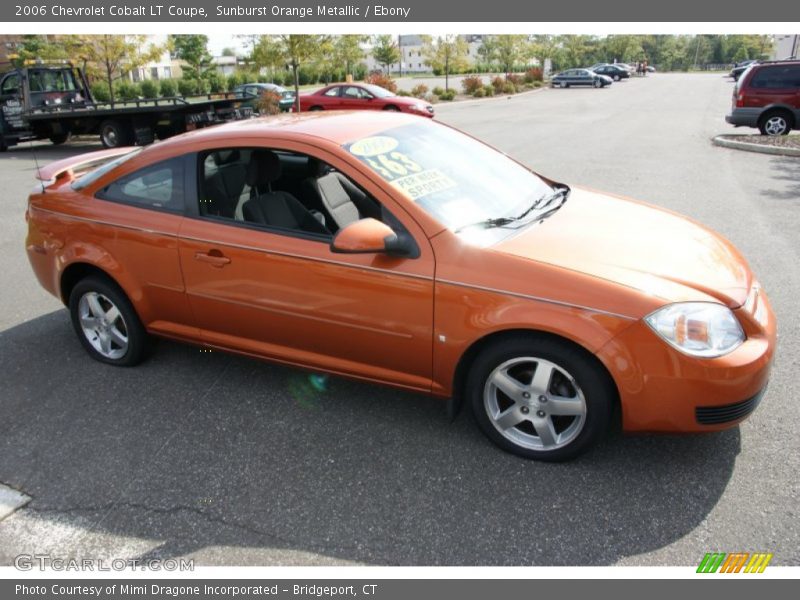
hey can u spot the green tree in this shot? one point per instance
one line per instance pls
(348, 51)
(509, 50)
(39, 47)
(446, 54)
(544, 47)
(112, 56)
(298, 50)
(385, 51)
(193, 49)
(268, 53)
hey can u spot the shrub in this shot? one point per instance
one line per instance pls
(403, 93)
(187, 87)
(488, 90)
(479, 93)
(419, 91)
(448, 95)
(307, 75)
(471, 84)
(359, 71)
(514, 78)
(127, 90)
(203, 86)
(438, 91)
(382, 80)
(509, 88)
(168, 87)
(100, 92)
(498, 83)
(217, 83)
(533, 75)
(267, 103)
(538, 84)
(150, 88)
(232, 81)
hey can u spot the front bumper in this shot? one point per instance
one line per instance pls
(663, 390)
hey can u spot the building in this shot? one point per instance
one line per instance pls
(412, 54)
(786, 46)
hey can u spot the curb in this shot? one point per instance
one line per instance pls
(725, 142)
(439, 105)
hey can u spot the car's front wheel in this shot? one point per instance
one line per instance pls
(598, 83)
(775, 123)
(540, 397)
(106, 322)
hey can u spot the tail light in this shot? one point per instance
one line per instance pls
(739, 100)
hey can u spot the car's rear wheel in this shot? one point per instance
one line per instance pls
(106, 322)
(776, 123)
(392, 108)
(315, 108)
(540, 398)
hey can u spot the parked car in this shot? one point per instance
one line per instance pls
(363, 96)
(397, 250)
(767, 96)
(615, 72)
(580, 77)
(253, 91)
(741, 67)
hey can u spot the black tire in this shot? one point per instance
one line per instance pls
(616, 78)
(391, 108)
(59, 139)
(315, 108)
(776, 122)
(114, 134)
(108, 293)
(597, 83)
(577, 379)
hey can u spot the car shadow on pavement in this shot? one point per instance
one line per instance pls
(194, 450)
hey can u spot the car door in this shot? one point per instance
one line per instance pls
(356, 98)
(331, 99)
(284, 295)
(137, 216)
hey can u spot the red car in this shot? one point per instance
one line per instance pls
(767, 96)
(362, 96)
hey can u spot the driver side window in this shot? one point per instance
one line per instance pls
(285, 192)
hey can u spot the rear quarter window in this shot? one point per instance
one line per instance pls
(776, 77)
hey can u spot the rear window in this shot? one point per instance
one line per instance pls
(104, 168)
(776, 76)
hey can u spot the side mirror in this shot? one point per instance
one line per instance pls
(370, 236)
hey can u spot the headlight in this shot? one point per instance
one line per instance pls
(418, 107)
(700, 329)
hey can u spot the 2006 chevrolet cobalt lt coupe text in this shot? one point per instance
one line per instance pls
(397, 250)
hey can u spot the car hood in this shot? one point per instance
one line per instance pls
(636, 245)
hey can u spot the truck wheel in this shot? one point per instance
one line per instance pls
(114, 134)
(164, 132)
(59, 138)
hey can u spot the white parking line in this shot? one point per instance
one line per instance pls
(11, 500)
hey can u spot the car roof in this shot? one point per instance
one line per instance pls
(338, 127)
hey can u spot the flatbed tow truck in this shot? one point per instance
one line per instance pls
(53, 102)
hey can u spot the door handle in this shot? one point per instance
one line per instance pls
(214, 257)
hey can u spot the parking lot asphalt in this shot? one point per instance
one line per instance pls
(233, 461)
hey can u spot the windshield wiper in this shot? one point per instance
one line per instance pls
(560, 192)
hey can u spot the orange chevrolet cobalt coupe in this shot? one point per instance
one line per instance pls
(397, 250)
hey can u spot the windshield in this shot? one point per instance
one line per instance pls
(455, 178)
(97, 173)
(378, 91)
(60, 80)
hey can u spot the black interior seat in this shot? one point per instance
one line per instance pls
(274, 208)
(336, 196)
(224, 185)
